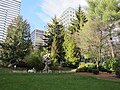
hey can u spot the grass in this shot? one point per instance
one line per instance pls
(53, 81)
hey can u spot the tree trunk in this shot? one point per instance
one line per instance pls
(110, 41)
(100, 46)
(111, 49)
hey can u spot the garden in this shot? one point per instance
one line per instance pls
(72, 58)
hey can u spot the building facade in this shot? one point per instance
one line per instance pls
(9, 9)
(67, 16)
(37, 37)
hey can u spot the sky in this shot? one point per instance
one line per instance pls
(40, 12)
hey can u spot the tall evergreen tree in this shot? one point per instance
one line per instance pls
(54, 40)
(72, 53)
(79, 21)
(17, 43)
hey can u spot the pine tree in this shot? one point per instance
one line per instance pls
(72, 53)
(17, 43)
(54, 40)
(79, 21)
(54, 51)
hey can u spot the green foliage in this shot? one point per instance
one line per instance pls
(82, 69)
(34, 59)
(82, 64)
(86, 67)
(54, 51)
(91, 66)
(87, 56)
(17, 43)
(117, 68)
(105, 13)
(88, 40)
(108, 64)
(72, 53)
(79, 21)
(116, 64)
(117, 72)
(95, 71)
(102, 69)
(104, 10)
(54, 40)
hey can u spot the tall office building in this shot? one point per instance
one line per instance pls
(67, 16)
(9, 9)
(37, 37)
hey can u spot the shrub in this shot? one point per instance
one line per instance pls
(117, 72)
(108, 64)
(82, 69)
(86, 67)
(116, 64)
(89, 69)
(109, 71)
(102, 69)
(69, 64)
(91, 66)
(117, 68)
(21, 64)
(34, 59)
(64, 64)
(82, 64)
(95, 71)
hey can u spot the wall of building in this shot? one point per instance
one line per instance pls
(37, 37)
(67, 16)
(9, 9)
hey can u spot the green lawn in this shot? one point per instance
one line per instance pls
(15, 81)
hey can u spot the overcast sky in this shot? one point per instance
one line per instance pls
(39, 12)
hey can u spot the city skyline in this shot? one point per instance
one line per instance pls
(40, 12)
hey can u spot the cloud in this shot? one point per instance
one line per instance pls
(43, 17)
(50, 8)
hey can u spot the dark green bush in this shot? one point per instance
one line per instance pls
(109, 71)
(34, 59)
(116, 64)
(86, 67)
(117, 72)
(64, 64)
(55, 68)
(89, 69)
(21, 64)
(102, 69)
(95, 71)
(108, 64)
(91, 66)
(117, 68)
(82, 69)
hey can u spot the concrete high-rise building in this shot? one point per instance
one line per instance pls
(67, 16)
(9, 9)
(37, 37)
